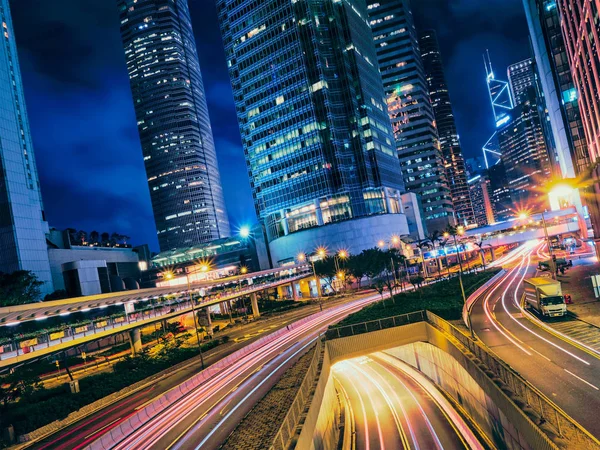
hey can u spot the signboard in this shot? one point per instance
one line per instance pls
(119, 319)
(28, 343)
(101, 324)
(57, 335)
(81, 329)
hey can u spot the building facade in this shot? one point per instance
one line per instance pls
(521, 76)
(410, 110)
(524, 153)
(454, 161)
(173, 122)
(580, 24)
(557, 85)
(479, 187)
(312, 114)
(22, 221)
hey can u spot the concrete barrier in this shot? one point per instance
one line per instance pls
(495, 404)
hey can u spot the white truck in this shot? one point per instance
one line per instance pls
(545, 296)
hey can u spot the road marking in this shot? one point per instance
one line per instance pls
(581, 379)
(100, 429)
(543, 356)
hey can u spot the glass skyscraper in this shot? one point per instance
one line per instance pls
(173, 122)
(410, 109)
(313, 118)
(446, 126)
(22, 222)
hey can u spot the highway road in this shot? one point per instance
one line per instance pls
(566, 373)
(208, 414)
(87, 430)
(388, 409)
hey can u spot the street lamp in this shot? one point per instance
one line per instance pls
(454, 232)
(203, 268)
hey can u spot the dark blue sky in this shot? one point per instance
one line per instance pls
(84, 128)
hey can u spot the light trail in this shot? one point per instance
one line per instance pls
(151, 432)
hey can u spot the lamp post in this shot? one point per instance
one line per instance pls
(454, 232)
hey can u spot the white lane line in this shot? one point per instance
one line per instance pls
(543, 356)
(581, 379)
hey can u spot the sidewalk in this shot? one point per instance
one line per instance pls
(578, 284)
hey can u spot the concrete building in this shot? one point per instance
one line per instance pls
(87, 270)
(524, 153)
(410, 110)
(557, 84)
(581, 32)
(22, 222)
(479, 188)
(521, 76)
(454, 161)
(173, 122)
(312, 113)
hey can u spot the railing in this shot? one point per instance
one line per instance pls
(179, 306)
(287, 430)
(375, 325)
(478, 293)
(566, 427)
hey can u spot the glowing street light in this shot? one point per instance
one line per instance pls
(321, 252)
(245, 232)
(381, 244)
(301, 257)
(342, 254)
(243, 270)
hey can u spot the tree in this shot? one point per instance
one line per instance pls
(357, 268)
(379, 286)
(105, 239)
(325, 268)
(56, 295)
(423, 244)
(94, 237)
(19, 287)
(80, 238)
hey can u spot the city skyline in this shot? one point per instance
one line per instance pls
(66, 158)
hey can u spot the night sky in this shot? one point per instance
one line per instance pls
(84, 128)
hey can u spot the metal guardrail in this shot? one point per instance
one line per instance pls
(375, 325)
(287, 430)
(567, 428)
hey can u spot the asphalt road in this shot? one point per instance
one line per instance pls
(565, 373)
(390, 410)
(209, 413)
(90, 428)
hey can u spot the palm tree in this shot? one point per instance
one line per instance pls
(423, 244)
(444, 243)
(433, 238)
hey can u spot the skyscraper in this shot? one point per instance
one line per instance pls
(410, 109)
(311, 109)
(557, 84)
(173, 123)
(446, 126)
(580, 24)
(479, 187)
(524, 152)
(521, 77)
(22, 222)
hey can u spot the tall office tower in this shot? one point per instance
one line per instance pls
(410, 109)
(173, 123)
(502, 103)
(521, 76)
(317, 138)
(524, 152)
(580, 24)
(479, 187)
(446, 127)
(499, 191)
(23, 226)
(557, 85)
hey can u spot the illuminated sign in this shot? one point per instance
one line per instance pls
(502, 121)
(570, 95)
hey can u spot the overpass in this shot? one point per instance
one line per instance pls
(175, 302)
(562, 222)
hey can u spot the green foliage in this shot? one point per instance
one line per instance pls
(443, 298)
(56, 295)
(19, 287)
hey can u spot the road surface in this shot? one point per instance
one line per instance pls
(389, 410)
(87, 430)
(565, 373)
